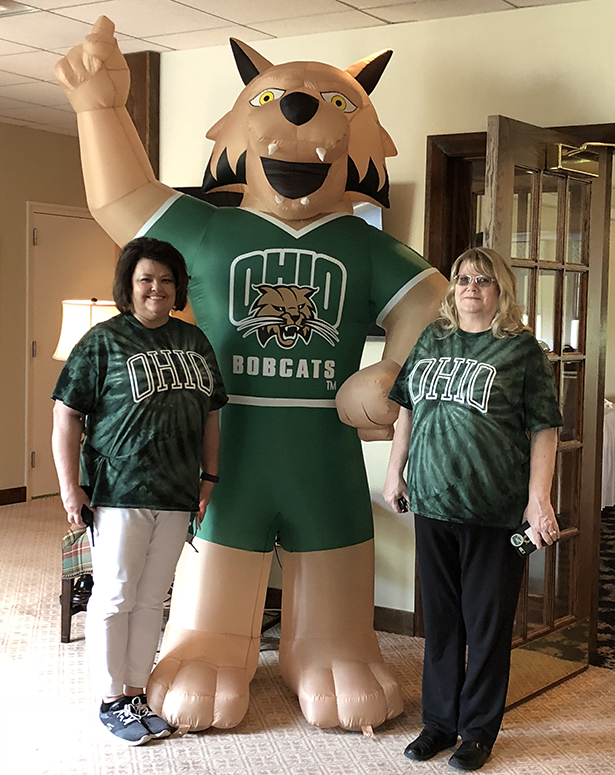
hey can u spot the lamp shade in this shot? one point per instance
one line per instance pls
(78, 316)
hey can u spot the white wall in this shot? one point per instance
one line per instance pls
(549, 66)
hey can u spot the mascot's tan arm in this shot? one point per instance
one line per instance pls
(121, 188)
(362, 401)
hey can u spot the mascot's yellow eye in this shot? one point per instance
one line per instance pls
(268, 95)
(337, 99)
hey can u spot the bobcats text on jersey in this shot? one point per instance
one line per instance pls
(284, 367)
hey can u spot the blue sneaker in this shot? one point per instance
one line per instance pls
(156, 725)
(121, 720)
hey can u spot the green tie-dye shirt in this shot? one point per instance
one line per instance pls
(474, 398)
(146, 393)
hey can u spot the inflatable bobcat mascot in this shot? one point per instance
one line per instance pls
(285, 287)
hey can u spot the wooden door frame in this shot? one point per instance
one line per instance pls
(446, 236)
(443, 183)
(143, 104)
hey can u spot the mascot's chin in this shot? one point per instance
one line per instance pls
(317, 189)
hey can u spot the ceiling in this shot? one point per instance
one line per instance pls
(34, 36)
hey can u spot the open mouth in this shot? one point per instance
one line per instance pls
(288, 332)
(294, 180)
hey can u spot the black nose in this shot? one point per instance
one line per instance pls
(298, 108)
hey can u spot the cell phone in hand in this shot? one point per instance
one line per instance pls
(87, 515)
(402, 504)
(523, 540)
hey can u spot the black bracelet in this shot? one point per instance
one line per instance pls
(205, 477)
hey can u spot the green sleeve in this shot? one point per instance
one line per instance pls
(218, 396)
(183, 223)
(394, 269)
(541, 409)
(80, 382)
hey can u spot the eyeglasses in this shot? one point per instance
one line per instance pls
(480, 280)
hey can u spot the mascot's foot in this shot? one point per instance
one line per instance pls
(342, 682)
(203, 681)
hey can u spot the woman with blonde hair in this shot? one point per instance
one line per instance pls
(478, 429)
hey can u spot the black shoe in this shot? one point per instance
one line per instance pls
(428, 744)
(470, 756)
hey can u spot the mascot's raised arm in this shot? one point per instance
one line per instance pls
(285, 286)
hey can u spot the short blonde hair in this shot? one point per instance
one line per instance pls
(507, 320)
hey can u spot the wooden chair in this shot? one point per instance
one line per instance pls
(76, 562)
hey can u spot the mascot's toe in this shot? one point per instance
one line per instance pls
(351, 695)
(204, 683)
(341, 681)
(195, 695)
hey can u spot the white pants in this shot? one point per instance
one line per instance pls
(134, 557)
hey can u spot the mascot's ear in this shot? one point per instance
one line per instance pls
(214, 131)
(387, 144)
(368, 71)
(249, 62)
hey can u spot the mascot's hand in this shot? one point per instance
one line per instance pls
(94, 75)
(362, 401)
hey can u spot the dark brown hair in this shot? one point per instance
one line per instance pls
(156, 250)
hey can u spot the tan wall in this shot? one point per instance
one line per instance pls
(39, 167)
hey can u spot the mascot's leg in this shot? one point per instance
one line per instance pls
(329, 654)
(212, 640)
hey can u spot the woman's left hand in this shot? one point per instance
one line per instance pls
(205, 493)
(541, 518)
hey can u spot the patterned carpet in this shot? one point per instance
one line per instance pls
(606, 600)
(48, 722)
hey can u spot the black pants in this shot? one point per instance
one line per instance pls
(470, 579)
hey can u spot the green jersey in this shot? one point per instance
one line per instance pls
(474, 398)
(146, 393)
(286, 311)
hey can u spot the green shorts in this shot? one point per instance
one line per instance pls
(293, 473)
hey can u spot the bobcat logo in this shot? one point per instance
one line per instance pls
(287, 313)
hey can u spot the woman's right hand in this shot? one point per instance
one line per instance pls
(73, 500)
(94, 74)
(395, 488)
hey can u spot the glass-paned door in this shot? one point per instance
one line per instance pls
(552, 225)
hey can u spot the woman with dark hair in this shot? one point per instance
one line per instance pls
(478, 430)
(144, 389)
(152, 250)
